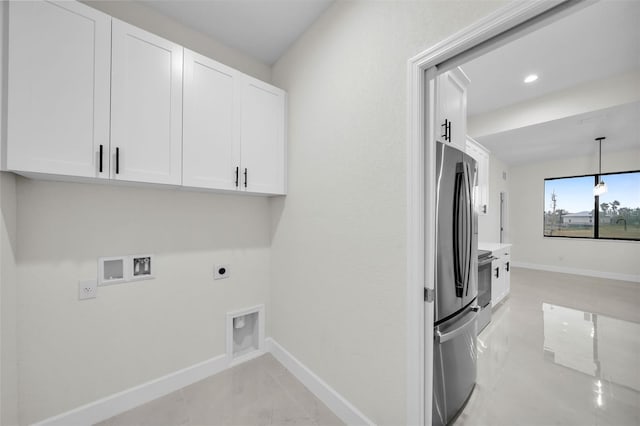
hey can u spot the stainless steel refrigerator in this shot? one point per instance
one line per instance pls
(456, 286)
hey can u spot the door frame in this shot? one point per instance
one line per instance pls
(503, 25)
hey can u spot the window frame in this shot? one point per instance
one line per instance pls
(596, 208)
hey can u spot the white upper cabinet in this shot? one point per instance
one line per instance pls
(146, 107)
(262, 157)
(481, 155)
(58, 89)
(233, 129)
(90, 96)
(451, 106)
(211, 130)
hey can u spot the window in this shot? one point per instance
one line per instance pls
(571, 209)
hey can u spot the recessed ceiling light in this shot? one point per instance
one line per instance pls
(530, 78)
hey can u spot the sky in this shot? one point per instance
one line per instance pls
(576, 194)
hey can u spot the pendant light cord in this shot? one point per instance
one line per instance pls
(600, 139)
(600, 158)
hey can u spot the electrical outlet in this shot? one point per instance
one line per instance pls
(221, 272)
(87, 289)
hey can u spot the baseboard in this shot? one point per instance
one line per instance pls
(120, 402)
(577, 271)
(325, 393)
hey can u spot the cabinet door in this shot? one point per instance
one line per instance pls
(58, 88)
(499, 279)
(506, 269)
(262, 137)
(481, 155)
(451, 93)
(507, 276)
(210, 144)
(146, 107)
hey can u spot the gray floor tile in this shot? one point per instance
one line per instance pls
(258, 392)
(170, 410)
(314, 408)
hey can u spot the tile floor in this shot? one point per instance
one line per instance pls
(562, 350)
(258, 392)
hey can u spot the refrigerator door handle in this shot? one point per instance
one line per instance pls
(443, 337)
(470, 224)
(458, 231)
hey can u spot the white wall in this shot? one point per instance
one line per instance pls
(527, 204)
(72, 352)
(338, 250)
(489, 224)
(151, 20)
(8, 302)
(8, 280)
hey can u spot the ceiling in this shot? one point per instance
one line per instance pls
(263, 29)
(593, 43)
(596, 42)
(568, 137)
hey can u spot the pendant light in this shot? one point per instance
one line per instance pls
(601, 187)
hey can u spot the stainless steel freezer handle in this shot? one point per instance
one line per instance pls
(443, 337)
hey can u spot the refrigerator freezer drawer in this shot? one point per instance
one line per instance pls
(454, 374)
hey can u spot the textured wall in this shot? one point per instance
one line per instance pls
(489, 224)
(73, 352)
(339, 245)
(527, 194)
(8, 302)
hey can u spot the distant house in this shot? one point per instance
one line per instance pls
(577, 219)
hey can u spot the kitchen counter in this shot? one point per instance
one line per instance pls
(493, 246)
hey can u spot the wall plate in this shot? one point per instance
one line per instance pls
(112, 270)
(141, 267)
(221, 272)
(87, 289)
(122, 269)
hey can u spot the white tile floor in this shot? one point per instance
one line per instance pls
(562, 350)
(258, 392)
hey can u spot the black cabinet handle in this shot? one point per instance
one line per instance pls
(237, 171)
(117, 160)
(101, 147)
(245, 177)
(508, 266)
(498, 272)
(446, 127)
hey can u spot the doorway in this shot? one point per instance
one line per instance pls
(501, 27)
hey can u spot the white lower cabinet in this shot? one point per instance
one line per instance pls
(500, 275)
(58, 89)
(146, 107)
